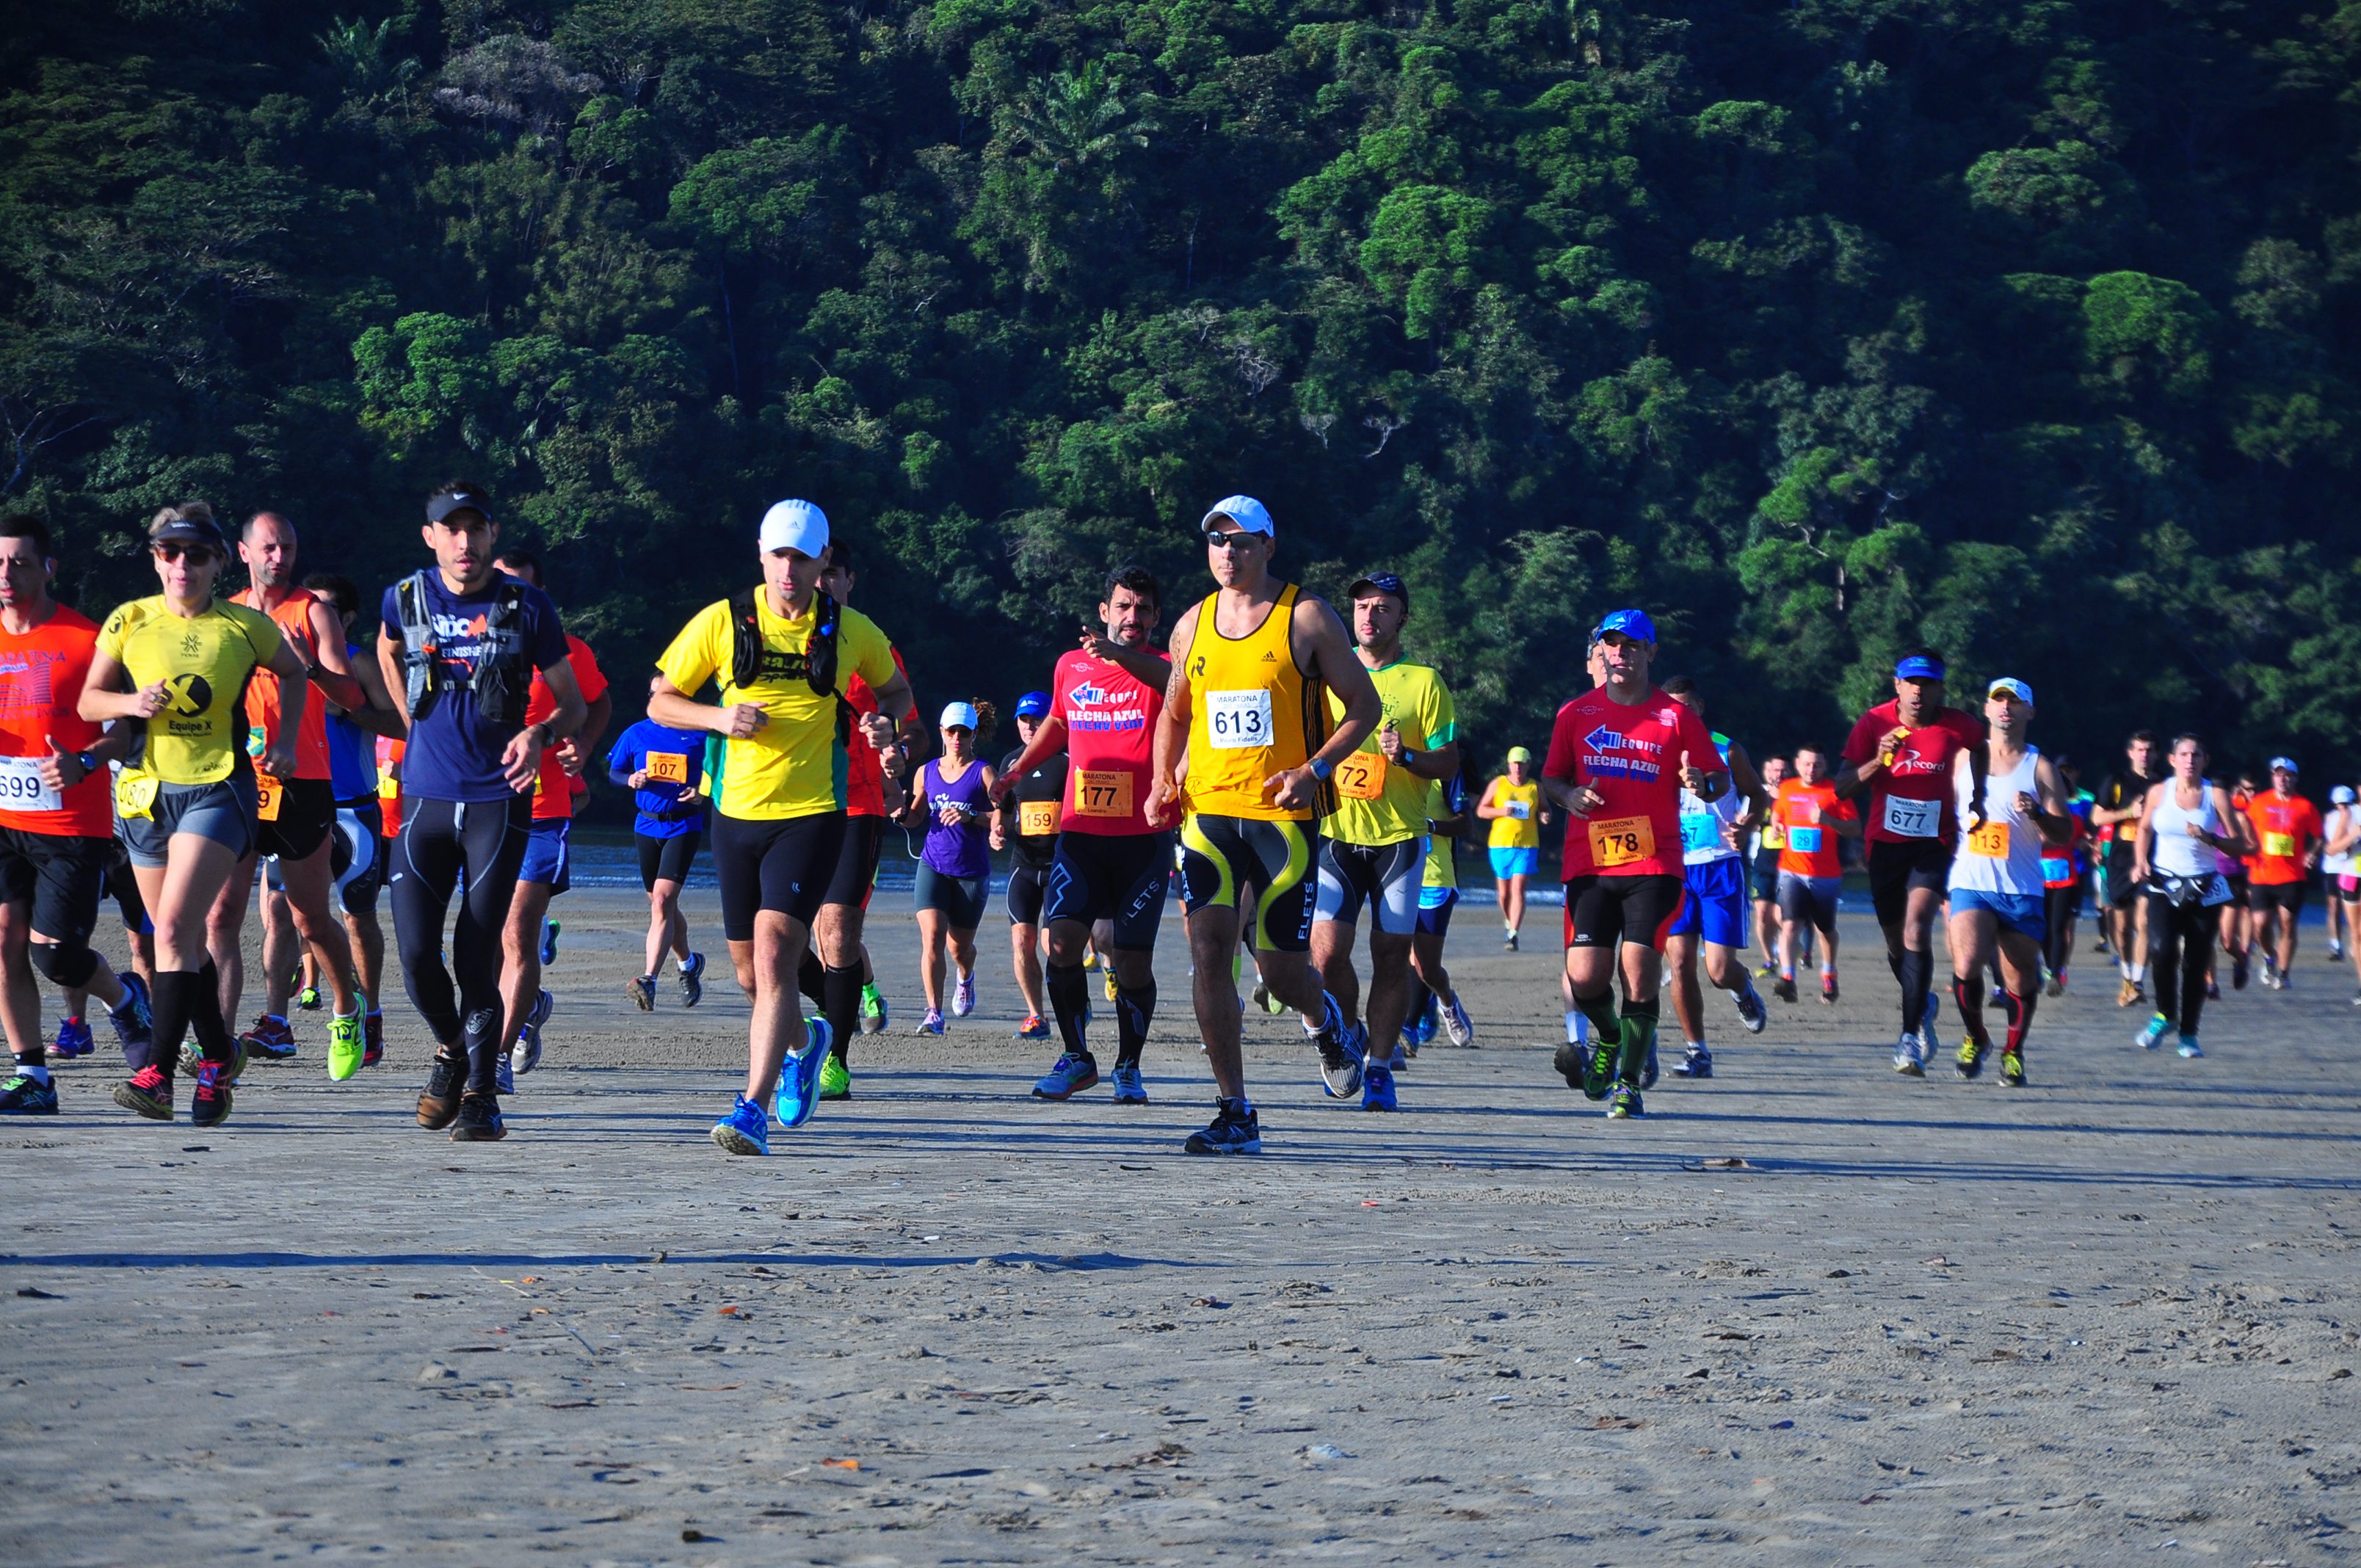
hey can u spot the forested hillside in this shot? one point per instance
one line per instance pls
(2023, 326)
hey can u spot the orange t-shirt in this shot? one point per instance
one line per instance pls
(1804, 811)
(389, 781)
(553, 791)
(41, 675)
(2283, 830)
(294, 618)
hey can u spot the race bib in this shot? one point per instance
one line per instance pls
(1913, 819)
(388, 787)
(1106, 792)
(1804, 840)
(135, 793)
(672, 767)
(2278, 845)
(2057, 869)
(267, 794)
(1621, 841)
(1775, 836)
(21, 788)
(1519, 811)
(1034, 818)
(1362, 775)
(2126, 832)
(1700, 831)
(1991, 840)
(1238, 720)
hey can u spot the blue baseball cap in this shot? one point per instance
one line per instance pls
(1631, 623)
(1032, 704)
(1249, 514)
(1921, 668)
(2287, 762)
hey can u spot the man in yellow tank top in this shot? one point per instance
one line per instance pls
(1251, 666)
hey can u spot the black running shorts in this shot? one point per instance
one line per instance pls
(779, 867)
(57, 876)
(1121, 877)
(1605, 911)
(1220, 855)
(1897, 869)
(856, 862)
(667, 860)
(307, 810)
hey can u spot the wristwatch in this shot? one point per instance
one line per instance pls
(1321, 768)
(89, 764)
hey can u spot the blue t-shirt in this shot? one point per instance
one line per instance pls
(352, 753)
(453, 754)
(658, 800)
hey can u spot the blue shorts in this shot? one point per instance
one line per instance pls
(1716, 908)
(1435, 919)
(547, 854)
(1515, 862)
(2019, 912)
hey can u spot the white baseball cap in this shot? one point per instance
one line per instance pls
(959, 715)
(1249, 514)
(794, 525)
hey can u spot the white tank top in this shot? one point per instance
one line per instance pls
(2337, 864)
(2005, 854)
(1702, 820)
(2177, 854)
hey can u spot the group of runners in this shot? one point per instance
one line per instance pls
(1300, 774)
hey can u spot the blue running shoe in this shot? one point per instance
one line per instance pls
(2153, 1034)
(1750, 1011)
(1035, 1028)
(135, 1021)
(1235, 1129)
(745, 1130)
(25, 1095)
(73, 1038)
(799, 1094)
(1068, 1078)
(1696, 1063)
(1377, 1087)
(1130, 1089)
(549, 930)
(1624, 1103)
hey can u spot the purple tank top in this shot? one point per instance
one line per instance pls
(964, 851)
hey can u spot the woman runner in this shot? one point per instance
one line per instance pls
(2187, 827)
(955, 867)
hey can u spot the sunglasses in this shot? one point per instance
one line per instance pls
(1238, 540)
(174, 552)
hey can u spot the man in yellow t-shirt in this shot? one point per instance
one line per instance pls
(783, 656)
(1374, 847)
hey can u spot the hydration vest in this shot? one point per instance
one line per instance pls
(746, 648)
(501, 682)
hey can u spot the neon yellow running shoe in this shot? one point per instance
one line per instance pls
(835, 1078)
(347, 1043)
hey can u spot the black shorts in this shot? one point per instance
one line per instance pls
(667, 860)
(1604, 910)
(307, 810)
(357, 854)
(1896, 870)
(1387, 877)
(1028, 887)
(58, 877)
(1121, 877)
(780, 867)
(2121, 889)
(856, 862)
(1762, 876)
(1222, 855)
(2287, 895)
(1809, 900)
(122, 886)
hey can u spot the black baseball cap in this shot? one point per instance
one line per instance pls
(190, 531)
(1378, 582)
(443, 503)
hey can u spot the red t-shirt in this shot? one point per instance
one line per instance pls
(294, 618)
(1804, 811)
(41, 675)
(2284, 828)
(2058, 862)
(1911, 798)
(389, 781)
(864, 768)
(552, 791)
(1631, 756)
(1110, 717)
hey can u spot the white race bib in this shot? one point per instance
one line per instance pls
(1913, 819)
(1519, 811)
(1237, 720)
(21, 788)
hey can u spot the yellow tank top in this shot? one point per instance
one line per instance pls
(1252, 714)
(1517, 832)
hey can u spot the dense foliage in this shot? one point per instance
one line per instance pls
(1817, 326)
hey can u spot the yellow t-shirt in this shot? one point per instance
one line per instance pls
(793, 765)
(1442, 871)
(204, 662)
(1376, 802)
(1517, 832)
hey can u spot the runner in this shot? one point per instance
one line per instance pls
(1762, 871)
(529, 940)
(1900, 752)
(665, 770)
(2064, 868)
(1810, 818)
(2238, 915)
(1112, 866)
(2287, 838)
(2114, 820)
(953, 798)
(2344, 831)
(295, 817)
(2335, 866)
(1245, 705)
(1713, 865)
(357, 856)
(56, 827)
(1996, 895)
(176, 663)
(1432, 1000)
(782, 655)
(1039, 791)
(1373, 847)
(2187, 826)
(461, 641)
(1512, 804)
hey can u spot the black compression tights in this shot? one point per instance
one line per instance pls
(2180, 951)
(476, 851)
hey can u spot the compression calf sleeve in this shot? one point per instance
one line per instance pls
(1135, 1009)
(2020, 1019)
(1917, 973)
(168, 1004)
(840, 1005)
(1639, 1030)
(205, 1016)
(811, 979)
(1600, 1009)
(1069, 999)
(1967, 992)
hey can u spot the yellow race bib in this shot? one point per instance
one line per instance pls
(672, 767)
(2280, 846)
(134, 793)
(1621, 841)
(1106, 792)
(267, 793)
(1034, 818)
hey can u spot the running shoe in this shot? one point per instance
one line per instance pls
(1378, 1089)
(73, 1040)
(1971, 1059)
(745, 1130)
(2152, 1034)
(1696, 1063)
(643, 992)
(1457, 1026)
(2270, 972)
(835, 1078)
(2213, 989)
(1648, 1073)
(1340, 1073)
(1827, 986)
(1406, 1044)
(1130, 1089)
(799, 1094)
(964, 997)
(2238, 971)
(932, 1023)
(150, 1093)
(209, 1105)
(692, 981)
(192, 1058)
(1998, 999)
(1599, 1075)
(1033, 1028)
(1783, 988)
(2286, 981)
(2012, 1070)
(524, 1054)
(1906, 1057)
(1767, 971)
(1572, 1063)
(1267, 1002)
(1750, 1011)
(2335, 948)
(1090, 958)
(2126, 992)
(270, 1039)
(504, 1075)
(1930, 1039)
(25, 1095)
(439, 1101)
(873, 1012)
(347, 1044)
(2190, 1047)
(1234, 1129)
(1511, 943)
(308, 999)
(549, 930)
(1109, 983)
(373, 1033)
(1069, 1077)
(1624, 1103)
(478, 1121)
(134, 1022)
(2055, 986)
